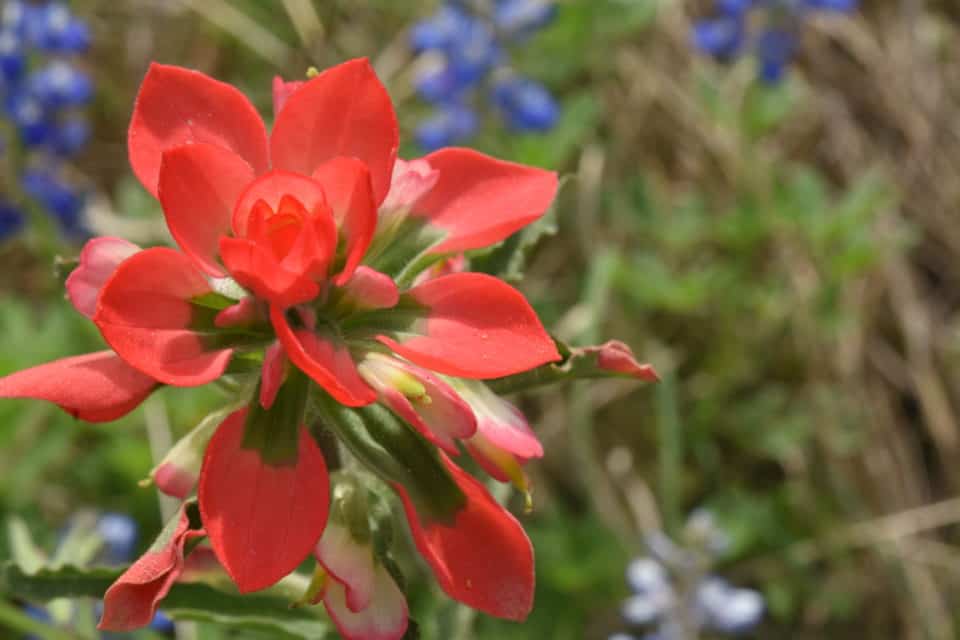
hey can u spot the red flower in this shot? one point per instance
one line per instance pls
(296, 251)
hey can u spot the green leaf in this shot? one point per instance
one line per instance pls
(394, 452)
(190, 601)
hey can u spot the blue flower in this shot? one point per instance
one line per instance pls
(450, 124)
(465, 59)
(41, 93)
(119, 533)
(673, 591)
(526, 104)
(727, 609)
(768, 28)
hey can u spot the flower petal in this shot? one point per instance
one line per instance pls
(617, 357)
(271, 188)
(501, 423)
(344, 111)
(178, 472)
(386, 618)
(132, 601)
(177, 105)
(476, 326)
(482, 558)
(96, 387)
(145, 315)
(263, 520)
(98, 260)
(349, 561)
(329, 364)
(199, 187)
(421, 398)
(255, 267)
(346, 181)
(409, 182)
(369, 289)
(480, 200)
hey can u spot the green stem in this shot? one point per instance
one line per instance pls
(671, 452)
(596, 297)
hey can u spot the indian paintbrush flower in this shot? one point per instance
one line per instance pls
(299, 277)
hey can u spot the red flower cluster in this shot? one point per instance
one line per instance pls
(315, 254)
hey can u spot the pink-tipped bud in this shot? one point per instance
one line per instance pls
(419, 397)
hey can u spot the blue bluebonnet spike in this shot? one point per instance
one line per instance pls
(466, 60)
(768, 28)
(42, 92)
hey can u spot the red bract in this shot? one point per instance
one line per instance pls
(481, 556)
(263, 518)
(132, 601)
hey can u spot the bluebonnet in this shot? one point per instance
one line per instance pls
(731, 31)
(674, 594)
(465, 65)
(42, 94)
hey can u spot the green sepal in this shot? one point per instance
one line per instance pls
(394, 452)
(403, 251)
(349, 506)
(578, 363)
(275, 432)
(213, 300)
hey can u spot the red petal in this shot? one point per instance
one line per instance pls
(271, 188)
(476, 327)
(199, 188)
(98, 260)
(282, 91)
(386, 618)
(132, 601)
(480, 200)
(617, 357)
(177, 105)
(97, 387)
(257, 269)
(370, 289)
(346, 181)
(482, 558)
(144, 314)
(262, 520)
(344, 111)
(330, 365)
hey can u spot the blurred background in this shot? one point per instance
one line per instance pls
(761, 197)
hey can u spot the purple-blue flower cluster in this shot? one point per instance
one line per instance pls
(675, 596)
(465, 64)
(768, 28)
(42, 93)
